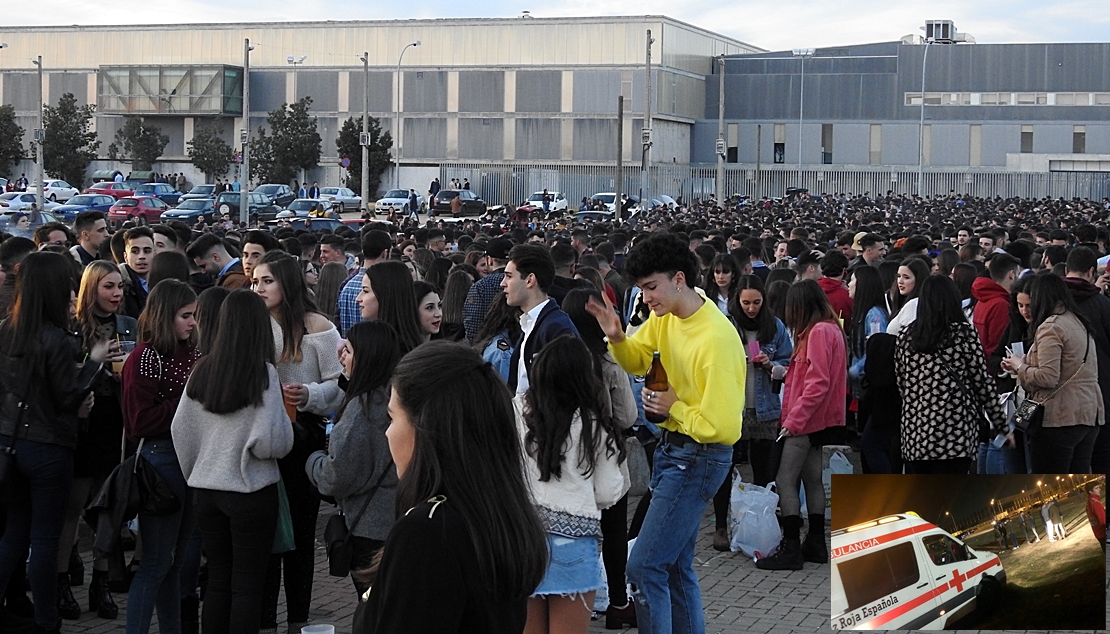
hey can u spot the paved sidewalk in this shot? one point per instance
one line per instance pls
(738, 597)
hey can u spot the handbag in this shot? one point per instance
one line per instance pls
(1029, 416)
(283, 536)
(338, 537)
(156, 498)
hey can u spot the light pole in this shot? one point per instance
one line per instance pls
(397, 127)
(364, 138)
(40, 137)
(801, 54)
(921, 126)
(721, 148)
(295, 61)
(245, 136)
(646, 135)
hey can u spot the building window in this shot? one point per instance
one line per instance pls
(876, 144)
(1079, 140)
(780, 142)
(975, 152)
(826, 143)
(1026, 139)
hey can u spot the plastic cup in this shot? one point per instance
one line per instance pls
(322, 628)
(126, 347)
(290, 406)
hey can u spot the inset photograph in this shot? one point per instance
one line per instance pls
(968, 552)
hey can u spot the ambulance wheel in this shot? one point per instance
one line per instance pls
(990, 595)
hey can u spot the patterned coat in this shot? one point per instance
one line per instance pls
(938, 420)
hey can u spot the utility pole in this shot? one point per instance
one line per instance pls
(364, 138)
(620, 159)
(759, 161)
(40, 136)
(921, 126)
(721, 146)
(245, 137)
(645, 169)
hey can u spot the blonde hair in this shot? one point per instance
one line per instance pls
(94, 274)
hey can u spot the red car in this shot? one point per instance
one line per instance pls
(147, 208)
(109, 188)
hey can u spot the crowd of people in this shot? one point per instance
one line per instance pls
(469, 397)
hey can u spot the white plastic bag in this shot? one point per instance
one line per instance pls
(753, 526)
(838, 464)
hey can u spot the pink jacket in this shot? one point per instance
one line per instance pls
(816, 388)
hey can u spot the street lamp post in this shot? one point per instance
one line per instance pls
(646, 135)
(801, 54)
(364, 138)
(40, 137)
(295, 61)
(397, 127)
(721, 148)
(245, 137)
(921, 127)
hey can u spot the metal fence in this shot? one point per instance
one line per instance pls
(511, 184)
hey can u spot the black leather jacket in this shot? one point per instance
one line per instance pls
(54, 386)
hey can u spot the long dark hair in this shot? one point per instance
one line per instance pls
(392, 285)
(726, 264)
(938, 312)
(454, 295)
(499, 318)
(42, 289)
(296, 302)
(1050, 296)
(328, 285)
(234, 374)
(377, 352)
(920, 271)
(466, 446)
(209, 303)
(764, 323)
(574, 305)
(869, 294)
(156, 322)
(559, 389)
(1017, 322)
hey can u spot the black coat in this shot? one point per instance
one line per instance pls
(134, 295)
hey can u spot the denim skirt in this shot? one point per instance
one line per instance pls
(573, 567)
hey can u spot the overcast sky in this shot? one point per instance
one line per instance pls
(770, 24)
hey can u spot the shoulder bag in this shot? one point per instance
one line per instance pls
(1029, 416)
(338, 537)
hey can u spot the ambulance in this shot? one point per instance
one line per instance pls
(900, 572)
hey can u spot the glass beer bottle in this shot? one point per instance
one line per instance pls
(656, 381)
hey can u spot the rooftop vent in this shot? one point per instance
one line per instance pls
(944, 32)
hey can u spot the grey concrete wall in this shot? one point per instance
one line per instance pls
(323, 87)
(481, 138)
(76, 83)
(481, 91)
(900, 144)
(425, 138)
(539, 90)
(381, 91)
(20, 90)
(851, 143)
(950, 145)
(595, 139)
(267, 90)
(425, 91)
(1000, 140)
(596, 91)
(1052, 139)
(538, 138)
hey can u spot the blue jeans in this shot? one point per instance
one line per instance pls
(157, 583)
(39, 487)
(661, 565)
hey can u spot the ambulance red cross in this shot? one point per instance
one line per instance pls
(900, 572)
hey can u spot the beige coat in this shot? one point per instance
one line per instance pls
(1057, 353)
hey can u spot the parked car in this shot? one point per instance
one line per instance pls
(110, 188)
(901, 572)
(280, 195)
(558, 201)
(163, 191)
(55, 190)
(259, 207)
(9, 222)
(396, 200)
(593, 216)
(343, 198)
(83, 202)
(307, 224)
(22, 201)
(192, 211)
(472, 205)
(308, 208)
(200, 191)
(147, 208)
(605, 198)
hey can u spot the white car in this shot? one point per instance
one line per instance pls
(341, 197)
(22, 201)
(558, 201)
(901, 572)
(396, 200)
(55, 190)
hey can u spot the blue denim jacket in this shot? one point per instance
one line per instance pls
(499, 353)
(768, 405)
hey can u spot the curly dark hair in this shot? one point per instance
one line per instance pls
(662, 252)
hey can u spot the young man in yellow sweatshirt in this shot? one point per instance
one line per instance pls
(705, 363)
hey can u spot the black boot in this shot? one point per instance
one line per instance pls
(100, 599)
(190, 615)
(788, 556)
(813, 549)
(76, 568)
(68, 607)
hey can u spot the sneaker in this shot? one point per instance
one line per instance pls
(720, 540)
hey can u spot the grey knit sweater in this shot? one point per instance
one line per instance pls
(358, 454)
(235, 452)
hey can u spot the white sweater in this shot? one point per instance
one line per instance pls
(573, 503)
(318, 370)
(233, 452)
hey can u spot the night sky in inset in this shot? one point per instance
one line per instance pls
(858, 498)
